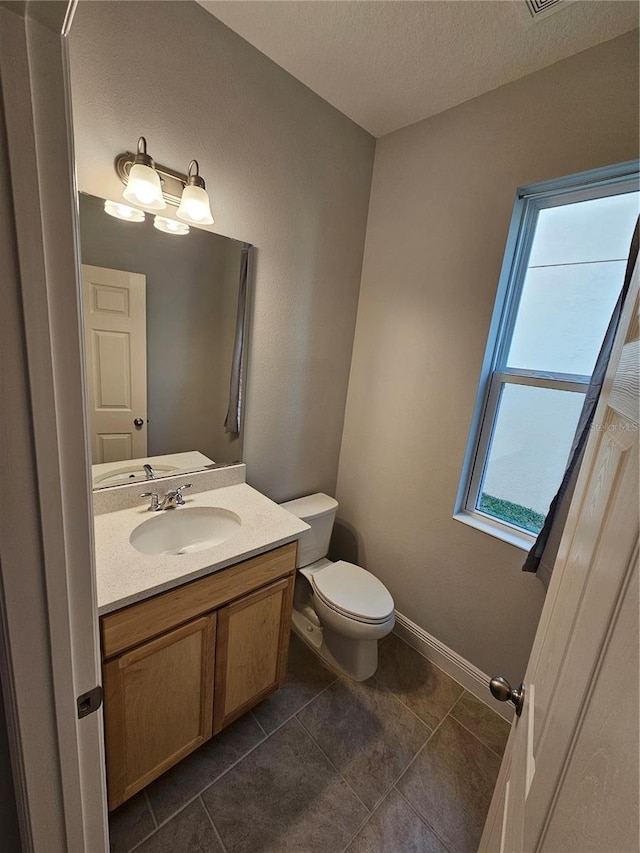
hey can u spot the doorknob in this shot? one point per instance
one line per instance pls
(504, 692)
(138, 423)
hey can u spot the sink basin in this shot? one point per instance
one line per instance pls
(131, 474)
(184, 530)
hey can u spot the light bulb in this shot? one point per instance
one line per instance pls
(144, 187)
(170, 226)
(194, 206)
(123, 211)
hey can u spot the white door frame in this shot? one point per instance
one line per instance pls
(49, 649)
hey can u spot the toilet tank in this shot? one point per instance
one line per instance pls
(319, 512)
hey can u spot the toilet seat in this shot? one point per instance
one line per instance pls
(353, 592)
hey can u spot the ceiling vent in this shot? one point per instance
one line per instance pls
(542, 8)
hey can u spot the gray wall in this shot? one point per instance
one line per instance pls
(291, 175)
(441, 202)
(192, 296)
(285, 171)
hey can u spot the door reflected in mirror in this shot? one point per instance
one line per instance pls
(165, 323)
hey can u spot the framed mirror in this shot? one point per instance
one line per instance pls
(166, 325)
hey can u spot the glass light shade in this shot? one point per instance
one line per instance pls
(170, 226)
(194, 206)
(123, 211)
(144, 188)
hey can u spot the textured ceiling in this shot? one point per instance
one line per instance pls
(389, 63)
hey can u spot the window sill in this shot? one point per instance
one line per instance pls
(509, 534)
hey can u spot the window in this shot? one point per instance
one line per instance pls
(562, 274)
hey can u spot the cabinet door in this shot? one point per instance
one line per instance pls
(252, 650)
(158, 705)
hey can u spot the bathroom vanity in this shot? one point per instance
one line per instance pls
(190, 641)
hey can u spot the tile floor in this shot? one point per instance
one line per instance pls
(403, 763)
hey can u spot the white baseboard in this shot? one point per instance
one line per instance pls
(465, 673)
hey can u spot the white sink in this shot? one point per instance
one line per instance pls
(131, 474)
(185, 530)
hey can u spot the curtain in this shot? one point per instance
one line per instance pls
(233, 420)
(542, 556)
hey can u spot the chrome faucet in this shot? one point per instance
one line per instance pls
(171, 500)
(150, 473)
(174, 498)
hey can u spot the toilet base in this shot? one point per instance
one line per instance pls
(357, 659)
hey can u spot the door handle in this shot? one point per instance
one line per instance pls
(504, 692)
(138, 423)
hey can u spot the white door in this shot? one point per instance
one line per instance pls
(115, 329)
(569, 778)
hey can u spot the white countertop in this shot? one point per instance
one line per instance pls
(124, 575)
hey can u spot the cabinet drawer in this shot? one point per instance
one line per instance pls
(139, 622)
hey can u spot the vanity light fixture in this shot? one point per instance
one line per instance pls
(143, 181)
(194, 204)
(123, 211)
(170, 226)
(187, 192)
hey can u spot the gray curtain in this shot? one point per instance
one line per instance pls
(233, 420)
(542, 556)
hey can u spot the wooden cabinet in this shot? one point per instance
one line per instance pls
(253, 639)
(180, 666)
(158, 705)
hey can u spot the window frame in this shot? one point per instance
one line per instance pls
(530, 200)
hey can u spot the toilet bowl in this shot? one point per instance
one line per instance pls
(339, 609)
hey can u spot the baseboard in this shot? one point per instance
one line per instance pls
(465, 673)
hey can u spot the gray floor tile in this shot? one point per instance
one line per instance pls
(395, 827)
(482, 721)
(307, 676)
(284, 798)
(180, 784)
(129, 824)
(190, 831)
(424, 688)
(366, 733)
(450, 784)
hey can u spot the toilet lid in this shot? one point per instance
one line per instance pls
(353, 591)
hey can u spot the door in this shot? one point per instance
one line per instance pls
(568, 781)
(158, 705)
(115, 330)
(49, 651)
(252, 650)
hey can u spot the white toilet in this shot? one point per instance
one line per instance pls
(339, 609)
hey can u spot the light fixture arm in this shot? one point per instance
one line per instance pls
(194, 180)
(142, 158)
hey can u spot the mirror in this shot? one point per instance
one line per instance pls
(165, 327)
